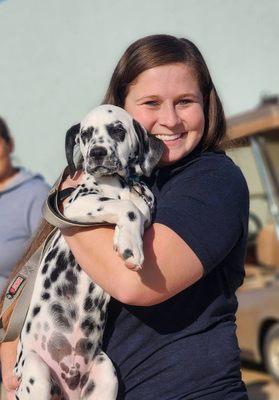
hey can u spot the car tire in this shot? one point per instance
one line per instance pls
(271, 351)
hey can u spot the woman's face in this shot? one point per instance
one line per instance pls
(167, 101)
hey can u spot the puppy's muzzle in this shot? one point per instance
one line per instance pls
(99, 162)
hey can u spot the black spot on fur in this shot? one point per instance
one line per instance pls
(127, 254)
(88, 304)
(89, 213)
(117, 131)
(19, 357)
(110, 111)
(55, 389)
(45, 268)
(59, 318)
(51, 254)
(31, 380)
(66, 290)
(73, 382)
(27, 389)
(89, 388)
(28, 327)
(55, 274)
(73, 314)
(132, 216)
(104, 198)
(84, 379)
(61, 261)
(91, 287)
(102, 303)
(71, 277)
(102, 315)
(87, 326)
(36, 310)
(45, 296)
(84, 346)
(87, 134)
(100, 209)
(57, 308)
(47, 283)
(71, 258)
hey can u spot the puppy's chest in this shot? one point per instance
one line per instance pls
(112, 187)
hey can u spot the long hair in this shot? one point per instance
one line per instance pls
(155, 50)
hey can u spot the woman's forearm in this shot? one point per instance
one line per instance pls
(169, 267)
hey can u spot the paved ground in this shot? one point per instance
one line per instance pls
(260, 386)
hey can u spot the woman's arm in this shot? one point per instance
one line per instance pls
(170, 265)
(8, 359)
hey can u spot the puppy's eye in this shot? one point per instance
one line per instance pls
(87, 134)
(116, 131)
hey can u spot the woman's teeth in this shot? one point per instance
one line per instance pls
(167, 138)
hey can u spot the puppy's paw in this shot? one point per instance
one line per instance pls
(130, 248)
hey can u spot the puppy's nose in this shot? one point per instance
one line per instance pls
(98, 152)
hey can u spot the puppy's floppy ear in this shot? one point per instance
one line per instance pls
(150, 149)
(71, 140)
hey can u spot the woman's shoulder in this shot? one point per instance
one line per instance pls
(211, 172)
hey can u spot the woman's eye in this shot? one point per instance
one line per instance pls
(151, 103)
(184, 101)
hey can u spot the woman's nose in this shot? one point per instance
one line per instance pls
(168, 116)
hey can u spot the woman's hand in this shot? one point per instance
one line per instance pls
(72, 181)
(8, 360)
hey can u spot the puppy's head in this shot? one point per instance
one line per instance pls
(110, 141)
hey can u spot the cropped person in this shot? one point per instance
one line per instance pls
(170, 329)
(21, 198)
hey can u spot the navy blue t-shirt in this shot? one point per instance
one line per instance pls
(186, 347)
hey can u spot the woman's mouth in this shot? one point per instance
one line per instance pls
(170, 138)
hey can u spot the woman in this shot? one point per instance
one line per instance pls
(21, 198)
(171, 326)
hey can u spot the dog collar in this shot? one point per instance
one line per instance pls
(134, 183)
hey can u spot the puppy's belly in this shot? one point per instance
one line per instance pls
(66, 318)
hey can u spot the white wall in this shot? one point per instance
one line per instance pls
(56, 57)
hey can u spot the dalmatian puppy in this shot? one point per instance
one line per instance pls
(60, 353)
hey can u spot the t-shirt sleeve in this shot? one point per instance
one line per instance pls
(208, 209)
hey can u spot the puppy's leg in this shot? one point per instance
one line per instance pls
(129, 220)
(35, 379)
(101, 382)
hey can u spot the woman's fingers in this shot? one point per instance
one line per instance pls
(8, 360)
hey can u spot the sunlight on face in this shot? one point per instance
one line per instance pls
(167, 101)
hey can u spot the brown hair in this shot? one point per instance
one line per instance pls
(155, 50)
(4, 131)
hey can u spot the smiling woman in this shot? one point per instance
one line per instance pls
(170, 328)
